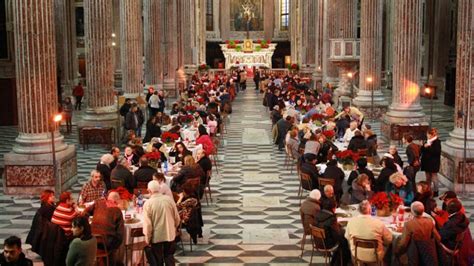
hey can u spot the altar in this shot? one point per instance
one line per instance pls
(253, 56)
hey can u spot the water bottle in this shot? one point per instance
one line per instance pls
(373, 210)
(139, 201)
(165, 167)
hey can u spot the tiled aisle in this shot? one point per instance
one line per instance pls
(254, 216)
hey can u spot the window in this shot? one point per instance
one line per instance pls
(209, 16)
(284, 14)
(3, 31)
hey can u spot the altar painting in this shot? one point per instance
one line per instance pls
(246, 13)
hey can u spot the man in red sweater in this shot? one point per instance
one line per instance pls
(78, 92)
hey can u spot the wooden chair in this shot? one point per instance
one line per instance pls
(289, 159)
(138, 246)
(179, 235)
(101, 249)
(325, 181)
(454, 253)
(207, 187)
(215, 154)
(366, 244)
(318, 237)
(306, 230)
(305, 179)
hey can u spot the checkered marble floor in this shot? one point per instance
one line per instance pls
(253, 218)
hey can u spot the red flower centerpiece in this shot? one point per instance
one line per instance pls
(153, 159)
(125, 197)
(347, 158)
(186, 119)
(293, 67)
(385, 202)
(329, 134)
(168, 137)
(190, 108)
(203, 67)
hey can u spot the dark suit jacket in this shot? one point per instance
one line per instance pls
(431, 157)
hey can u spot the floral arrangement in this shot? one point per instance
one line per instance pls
(190, 108)
(232, 44)
(201, 100)
(347, 157)
(168, 137)
(317, 117)
(329, 134)
(123, 192)
(186, 119)
(383, 200)
(293, 67)
(262, 44)
(152, 155)
(203, 67)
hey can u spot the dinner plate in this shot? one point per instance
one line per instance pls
(132, 221)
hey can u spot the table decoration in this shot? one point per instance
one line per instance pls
(329, 134)
(125, 197)
(385, 203)
(347, 158)
(169, 138)
(153, 159)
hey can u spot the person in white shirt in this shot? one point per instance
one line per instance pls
(160, 222)
(367, 227)
(350, 132)
(154, 103)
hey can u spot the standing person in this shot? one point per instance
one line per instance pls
(67, 113)
(132, 120)
(431, 159)
(160, 221)
(83, 248)
(161, 101)
(154, 103)
(413, 158)
(147, 98)
(78, 93)
(256, 79)
(12, 254)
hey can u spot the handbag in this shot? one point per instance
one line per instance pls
(150, 256)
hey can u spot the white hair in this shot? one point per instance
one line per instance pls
(107, 158)
(154, 186)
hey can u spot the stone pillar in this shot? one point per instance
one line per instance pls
(268, 19)
(152, 24)
(295, 31)
(29, 167)
(224, 19)
(65, 19)
(101, 109)
(116, 40)
(131, 47)
(371, 59)
(319, 41)
(331, 31)
(202, 30)
(453, 150)
(169, 45)
(405, 107)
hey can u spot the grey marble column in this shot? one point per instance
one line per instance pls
(131, 46)
(371, 58)
(152, 24)
(65, 29)
(460, 137)
(116, 40)
(405, 107)
(99, 67)
(331, 31)
(169, 45)
(30, 167)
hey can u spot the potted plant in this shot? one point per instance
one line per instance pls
(153, 159)
(347, 158)
(385, 202)
(293, 67)
(169, 138)
(203, 67)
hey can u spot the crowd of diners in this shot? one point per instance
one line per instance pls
(138, 169)
(309, 128)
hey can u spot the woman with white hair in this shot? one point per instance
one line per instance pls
(399, 185)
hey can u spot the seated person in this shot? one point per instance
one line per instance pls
(12, 253)
(92, 190)
(162, 187)
(189, 209)
(105, 167)
(456, 224)
(108, 221)
(144, 173)
(367, 227)
(334, 172)
(357, 142)
(399, 185)
(206, 166)
(350, 132)
(180, 151)
(131, 157)
(328, 193)
(65, 212)
(293, 144)
(309, 208)
(421, 228)
(327, 220)
(309, 167)
(388, 169)
(361, 189)
(189, 170)
(121, 176)
(361, 169)
(424, 194)
(204, 139)
(83, 248)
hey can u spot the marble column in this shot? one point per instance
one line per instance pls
(169, 45)
(405, 107)
(371, 59)
(296, 33)
(65, 30)
(331, 31)
(201, 25)
(116, 41)
(319, 42)
(152, 23)
(453, 149)
(101, 108)
(29, 167)
(131, 47)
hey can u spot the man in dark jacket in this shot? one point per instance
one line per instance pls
(334, 172)
(456, 224)
(132, 120)
(125, 107)
(12, 254)
(327, 220)
(122, 177)
(357, 142)
(144, 173)
(309, 208)
(308, 167)
(283, 125)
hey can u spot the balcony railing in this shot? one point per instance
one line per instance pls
(344, 50)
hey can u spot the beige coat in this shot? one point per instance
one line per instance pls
(367, 227)
(160, 219)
